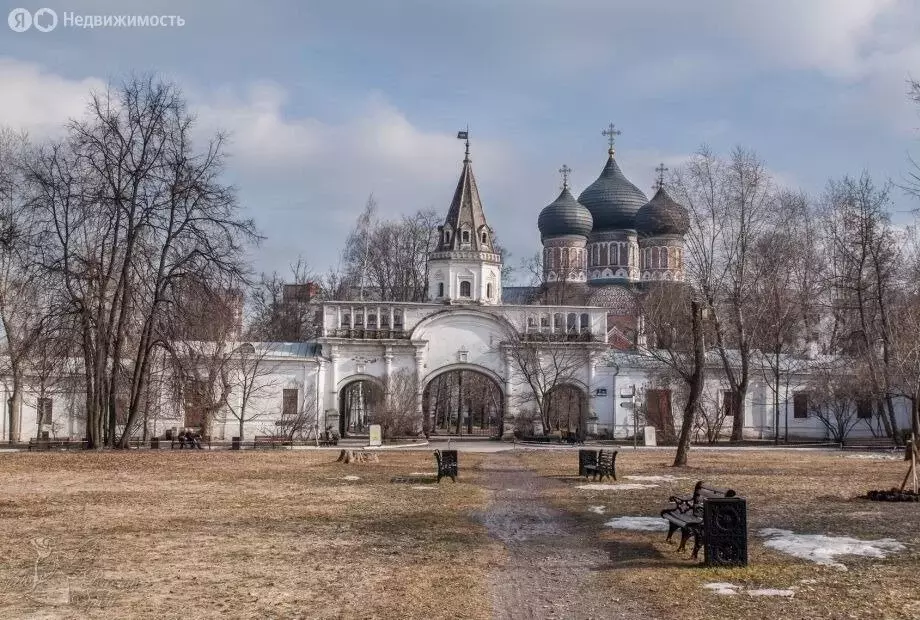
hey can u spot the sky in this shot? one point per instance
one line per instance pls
(328, 102)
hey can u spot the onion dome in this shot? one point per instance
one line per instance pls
(662, 216)
(564, 216)
(612, 199)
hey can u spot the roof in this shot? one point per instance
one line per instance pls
(466, 212)
(565, 216)
(612, 199)
(662, 216)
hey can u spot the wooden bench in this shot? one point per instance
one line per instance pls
(447, 464)
(687, 515)
(57, 444)
(270, 441)
(606, 466)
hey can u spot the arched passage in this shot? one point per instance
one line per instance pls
(567, 409)
(359, 399)
(463, 400)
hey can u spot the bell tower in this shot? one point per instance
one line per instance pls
(465, 267)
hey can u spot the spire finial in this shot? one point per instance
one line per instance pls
(611, 132)
(565, 171)
(465, 135)
(660, 169)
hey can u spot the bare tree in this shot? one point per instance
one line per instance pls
(126, 208)
(397, 415)
(833, 399)
(285, 310)
(251, 377)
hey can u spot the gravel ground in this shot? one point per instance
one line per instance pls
(551, 557)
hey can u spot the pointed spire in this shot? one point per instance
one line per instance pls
(465, 227)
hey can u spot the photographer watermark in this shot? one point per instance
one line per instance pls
(46, 20)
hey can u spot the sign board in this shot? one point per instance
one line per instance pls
(600, 392)
(650, 436)
(376, 437)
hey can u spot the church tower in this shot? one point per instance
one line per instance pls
(565, 225)
(465, 268)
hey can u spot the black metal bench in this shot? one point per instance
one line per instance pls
(606, 465)
(447, 464)
(713, 517)
(175, 442)
(270, 441)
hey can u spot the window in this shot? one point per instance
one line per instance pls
(585, 325)
(397, 319)
(446, 236)
(359, 319)
(372, 321)
(466, 236)
(571, 322)
(466, 289)
(654, 258)
(489, 291)
(44, 410)
(384, 319)
(664, 258)
(728, 403)
(346, 320)
(531, 321)
(289, 402)
(557, 320)
(800, 405)
(544, 321)
(863, 408)
(483, 237)
(440, 289)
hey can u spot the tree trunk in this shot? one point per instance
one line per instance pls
(695, 383)
(15, 409)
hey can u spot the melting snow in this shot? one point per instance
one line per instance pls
(597, 509)
(664, 478)
(351, 478)
(823, 549)
(771, 592)
(642, 524)
(875, 457)
(614, 487)
(725, 589)
(424, 488)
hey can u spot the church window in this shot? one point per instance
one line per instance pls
(664, 258)
(654, 258)
(359, 319)
(466, 236)
(440, 289)
(585, 324)
(572, 322)
(346, 320)
(565, 258)
(800, 404)
(397, 319)
(466, 289)
(372, 321)
(384, 319)
(489, 291)
(446, 236)
(557, 320)
(483, 237)
(603, 258)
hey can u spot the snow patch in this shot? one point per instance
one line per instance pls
(599, 510)
(639, 524)
(423, 473)
(614, 487)
(771, 592)
(823, 549)
(664, 478)
(424, 488)
(351, 478)
(725, 589)
(875, 457)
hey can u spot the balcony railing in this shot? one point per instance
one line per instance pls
(368, 333)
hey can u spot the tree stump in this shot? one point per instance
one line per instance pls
(357, 456)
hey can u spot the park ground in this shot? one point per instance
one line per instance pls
(293, 534)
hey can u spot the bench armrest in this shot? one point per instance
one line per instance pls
(682, 503)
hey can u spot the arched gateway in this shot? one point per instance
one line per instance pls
(463, 399)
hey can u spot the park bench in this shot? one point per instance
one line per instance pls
(174, 443)
(328, 439)
(447, 464)
(57, 444)
(700, 515)
(270, 441)
(606, 465)
(869, 443)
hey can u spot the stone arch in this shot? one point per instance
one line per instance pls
(568, 407)
(463, 399)
(359, 396)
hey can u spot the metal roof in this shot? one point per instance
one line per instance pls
(565, 216)
(612, 199)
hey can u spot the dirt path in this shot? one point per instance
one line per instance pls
(551, 558)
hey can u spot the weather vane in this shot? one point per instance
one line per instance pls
(565, 171)
(465, 135)
(611, 132)
(660, 169)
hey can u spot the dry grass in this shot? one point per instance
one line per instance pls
(807, 492)
(267, 534)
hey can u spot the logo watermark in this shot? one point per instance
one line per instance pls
(46, 20)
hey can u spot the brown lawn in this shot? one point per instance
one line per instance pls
(806, 492)
(280, 534)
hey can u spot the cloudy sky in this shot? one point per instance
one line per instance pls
(329, 101)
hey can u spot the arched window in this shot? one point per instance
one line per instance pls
(446, 236)
(585, 322)
(565, 258)
(397, 319)
(372, 321)
(603, 257)
(440, 289)
(466, 236)
(346, 320)
(664, 258)
(557, 320)
(572, 322)
(489, 290)
(466, 289)
(483, 237)
(654, 258)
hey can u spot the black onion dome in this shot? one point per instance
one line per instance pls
(564, 216)
(612, 199)
(662, 216)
